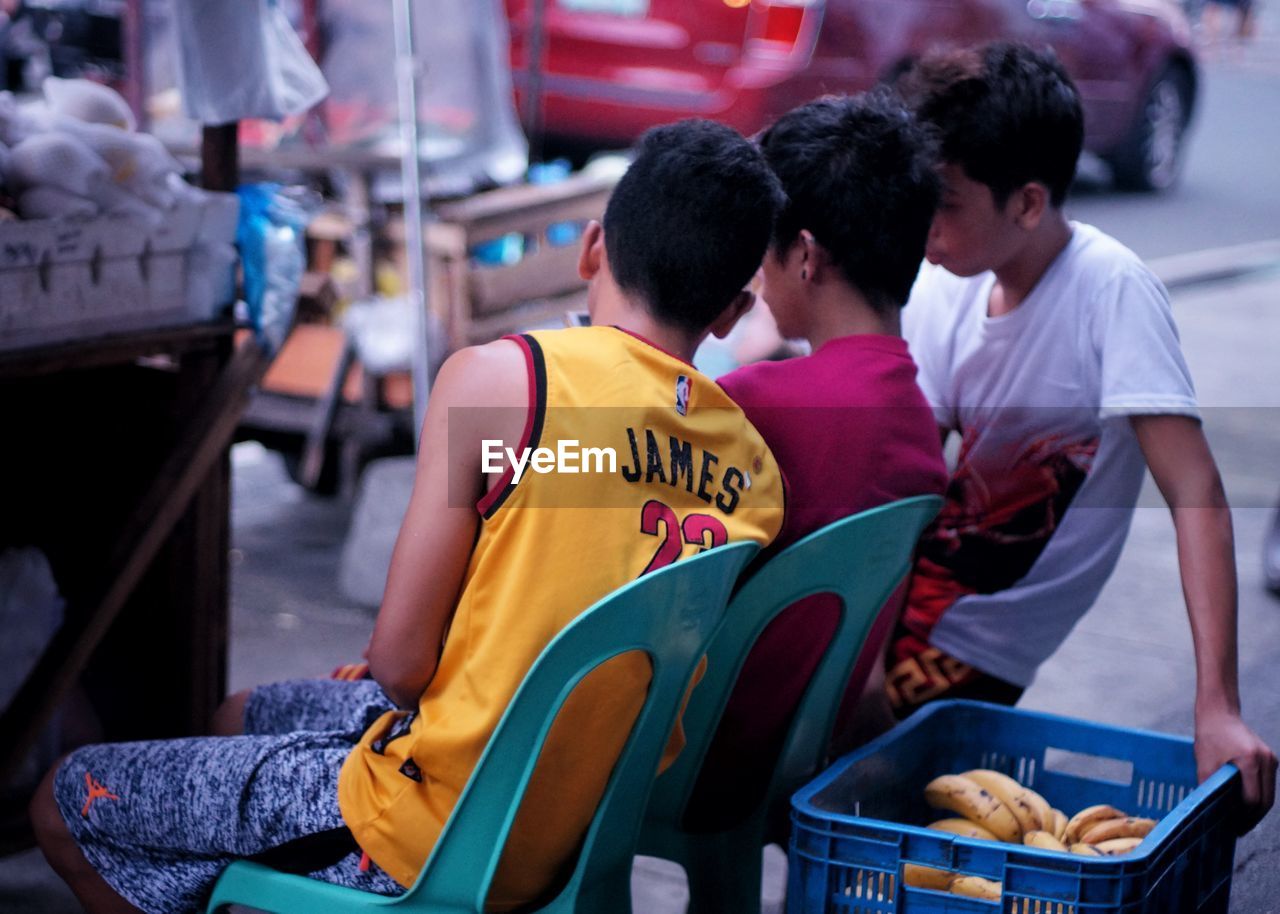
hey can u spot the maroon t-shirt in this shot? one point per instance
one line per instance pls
(850, 430)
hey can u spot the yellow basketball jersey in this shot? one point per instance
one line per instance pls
(688, 472)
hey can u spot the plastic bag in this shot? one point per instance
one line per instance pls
(114, 199)
(88, 101)
(384, 329)
(243, 60)
(30, 614)
(57, 160)
(138, 162)
(17, 122)
(272, 250)
(54, 202)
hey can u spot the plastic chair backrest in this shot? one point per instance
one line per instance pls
(670, 615)
(860, 559)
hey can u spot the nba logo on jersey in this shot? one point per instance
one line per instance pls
(683, 386)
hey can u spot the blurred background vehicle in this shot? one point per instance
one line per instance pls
(594, 74)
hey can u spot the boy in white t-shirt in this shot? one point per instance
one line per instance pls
(1051, 349)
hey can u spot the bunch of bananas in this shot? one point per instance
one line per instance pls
(994, 807)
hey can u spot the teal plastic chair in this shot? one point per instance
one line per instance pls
(669, 614)
(860, 559)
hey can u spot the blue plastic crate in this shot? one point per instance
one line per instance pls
(850, 839)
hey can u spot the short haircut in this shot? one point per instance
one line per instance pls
(859, 175)
(1005, 113)
(688, 224)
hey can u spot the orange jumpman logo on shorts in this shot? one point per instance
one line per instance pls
(97, 791)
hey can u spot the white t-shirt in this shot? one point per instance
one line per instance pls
(1041, 396)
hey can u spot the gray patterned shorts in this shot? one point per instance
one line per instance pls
(161, 820)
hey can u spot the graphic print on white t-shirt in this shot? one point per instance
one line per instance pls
(1049, 470)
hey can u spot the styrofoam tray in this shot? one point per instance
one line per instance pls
(72, 278)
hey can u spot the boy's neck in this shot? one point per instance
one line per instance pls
(617, 310)
(1016, 279)
(837, 310)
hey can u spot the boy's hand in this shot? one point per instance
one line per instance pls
(1224, 737)
(351, 672)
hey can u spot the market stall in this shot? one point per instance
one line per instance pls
(122, 379)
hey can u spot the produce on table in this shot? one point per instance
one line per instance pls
(76, 153)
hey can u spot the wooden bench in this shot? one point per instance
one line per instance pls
(479, 302)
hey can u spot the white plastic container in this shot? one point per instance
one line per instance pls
(77, 278)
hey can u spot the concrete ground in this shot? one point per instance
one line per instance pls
(1130, 661)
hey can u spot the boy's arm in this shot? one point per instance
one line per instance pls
(434, 545)
(1183, 467)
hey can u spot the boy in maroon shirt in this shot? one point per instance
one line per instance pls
(848, 424)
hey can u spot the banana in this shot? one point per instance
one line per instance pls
(1059, 824)
(926, 877)
(1025, 808)
(1043, 840)
(961, 795)
(1118, 846)
(963, 827)
(976, 887)
(1087, 818)
(1086, 850)
(1118, 828)
(1043, 810)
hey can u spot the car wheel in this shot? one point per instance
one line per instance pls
(1151, 158)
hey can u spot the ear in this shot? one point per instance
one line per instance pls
(797, 257)
(741, 304)
(815, 258)
(592, 254)
(1030, 202)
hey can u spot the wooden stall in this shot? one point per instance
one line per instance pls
(114, 462)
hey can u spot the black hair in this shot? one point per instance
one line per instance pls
(1005, 113)
(859, 175)
(688, 224)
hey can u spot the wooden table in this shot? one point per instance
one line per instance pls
(113, 461)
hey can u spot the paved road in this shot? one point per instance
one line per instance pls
(1129, 661)
(1230, 189)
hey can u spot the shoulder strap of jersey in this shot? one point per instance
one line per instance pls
(537, 368)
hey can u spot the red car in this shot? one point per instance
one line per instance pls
(609, 69)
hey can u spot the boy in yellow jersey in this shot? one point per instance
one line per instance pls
(555, 467)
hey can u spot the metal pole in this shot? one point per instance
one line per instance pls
(411, 182)
(534, 49)
(135, 73)
(313, 126)
(220, 157)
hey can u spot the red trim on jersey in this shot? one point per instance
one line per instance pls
(486, 502)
